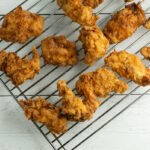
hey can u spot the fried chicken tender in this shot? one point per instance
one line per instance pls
(100, 83)
(59, 51)
(124, 23)
(20, 25)
(17, 69)
(129, 66)
(92, 3)
(78, 12)
(74, 107)
(147, 24)
(145, 51)
(128, 0)
(40, 110)
(94, 43)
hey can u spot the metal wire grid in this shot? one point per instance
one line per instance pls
(72, 138)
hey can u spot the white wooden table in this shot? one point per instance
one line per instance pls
(129, 131)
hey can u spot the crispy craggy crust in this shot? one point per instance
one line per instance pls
(78, 12)
(129, 66)
(40, 110)
(74, 107)
(20, 25)
(100, 83)
(145, 51)
(59, 51)
(94, 43)
(17, 69)
(93, 3)
(128, 0)
(147, 24)
(124, 23)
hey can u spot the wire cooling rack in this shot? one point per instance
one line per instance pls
(56, 23)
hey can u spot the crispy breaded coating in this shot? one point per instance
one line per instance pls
(17, 69)
(39, 110)
(78, 12)
(20, 25)
(59, 51)
(93, 3)
(94, 43)
(124, 23)
(100, 83)
(129, 66)
(128, 0)
(147, 24)
(145, 51)
(74, 107)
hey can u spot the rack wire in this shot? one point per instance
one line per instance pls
(44, 84)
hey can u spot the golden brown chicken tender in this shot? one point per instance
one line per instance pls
(129, 66)
(40, 110)
(145, 51)
(17, 69)
(124, 23)
(78, 12)
(100, 83)
(74, 107)
(147, 24)
(59, 51)
(94, 43)
(92, 3)
(128, 0)
(20, 25)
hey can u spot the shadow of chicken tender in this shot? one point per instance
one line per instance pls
(100, 83)
(129, 66)
(39, 110)
(17, 69)
(79, 13)
(59, 51)
(20, 25)
(93, 3)
(74, 107)
(94, 43)
(124, 23)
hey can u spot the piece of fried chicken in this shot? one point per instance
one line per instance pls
(78, 12)
(129, 66)
(74, 107)
(17, 69)
(39, 110)
(145, 51)
(94, 43)
(147, 24)
(128, 0)
(93, 3)
(100, 83)
(20, 25)
(124, 23)
(59, 51)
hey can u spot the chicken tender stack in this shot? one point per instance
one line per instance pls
(124, 23)
(129, 66)
(94, 43)
(59, 51)
(78, 12)
(20, 25)
(40, 110)
(74, 107)
(17, 69)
